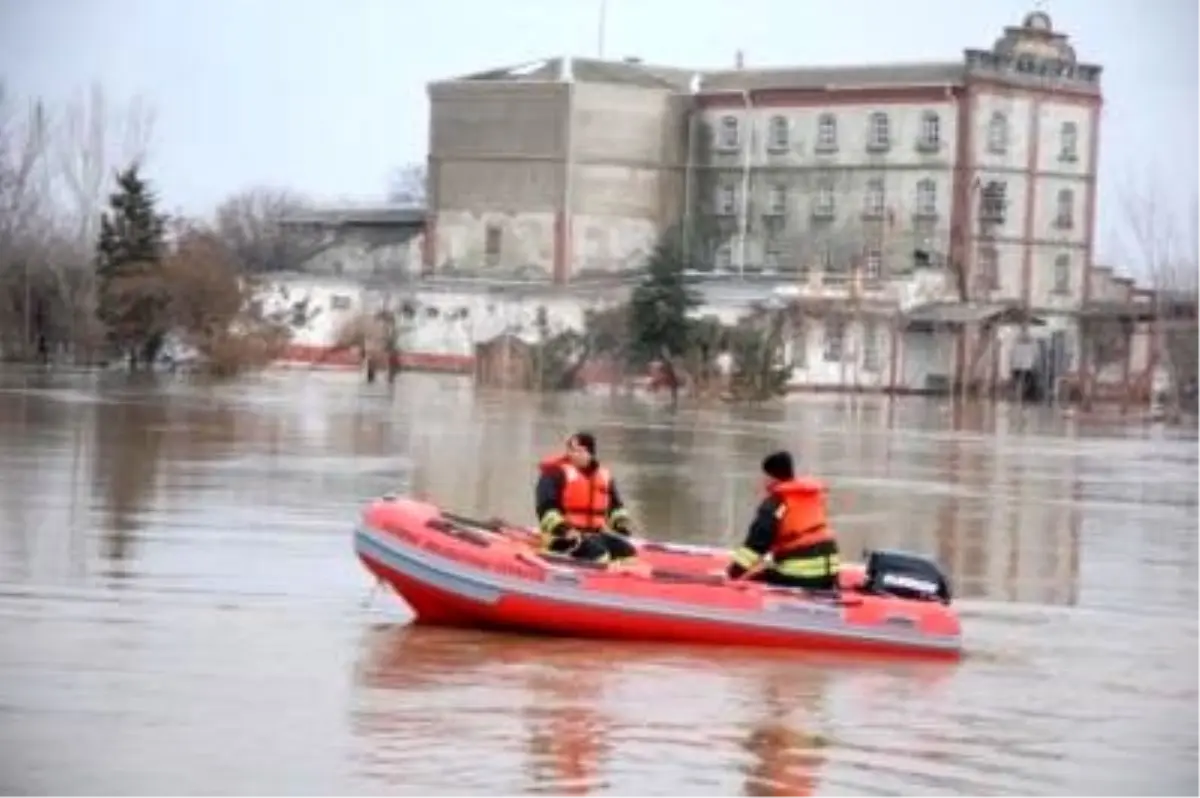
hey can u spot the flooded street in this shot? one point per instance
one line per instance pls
(181, 610)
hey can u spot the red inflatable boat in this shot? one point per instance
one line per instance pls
(454, 571)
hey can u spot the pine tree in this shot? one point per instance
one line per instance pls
(659, 321)
(132, 293)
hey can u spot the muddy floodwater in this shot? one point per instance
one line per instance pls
(181, 610)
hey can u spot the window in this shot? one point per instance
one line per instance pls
(1062, 274)
(931, 132)
(771, 259)
(800, 345)
(993, 202)
(997, 137)
(927, 198)
(777, 200)
(723, 261)
(726, 200)
(878, 134)
(873, 265)
(870, 346)
(492, 240)
(823, 202)
(1064, 215)
(1068, 141)
(832, 268)
(874, 201)
(779, 134)
(826, 133)
(835, 334)
(988, 267)
(728, 137)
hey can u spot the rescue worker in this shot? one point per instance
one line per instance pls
(577, 503)
(791, 525)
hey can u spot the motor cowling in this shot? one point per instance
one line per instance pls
(907, 576)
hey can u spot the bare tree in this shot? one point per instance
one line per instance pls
(24, 226)
(95, 137)
(407, 185)
(1157, 243)
(55, 168)
(253, 225)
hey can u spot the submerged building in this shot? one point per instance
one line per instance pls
(826, 179)
(549, 184)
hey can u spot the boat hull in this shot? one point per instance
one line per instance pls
(451, 574)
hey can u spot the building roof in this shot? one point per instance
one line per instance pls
(588, 70)
(957, 314)
(1027, 54)
(836, 77)
(396, 215)
(636, 73)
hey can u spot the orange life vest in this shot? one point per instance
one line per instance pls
(585, 497)
(804, 523)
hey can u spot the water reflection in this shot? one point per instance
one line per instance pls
(785, 759)
(128, 443)
(589, 722)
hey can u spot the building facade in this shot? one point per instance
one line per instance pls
(554, 169)
(819, 181)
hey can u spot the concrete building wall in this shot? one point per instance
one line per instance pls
(503, 196)
(497, 176)
(625, 175)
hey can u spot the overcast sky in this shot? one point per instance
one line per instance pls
(327, 98)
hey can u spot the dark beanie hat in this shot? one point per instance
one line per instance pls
(778, 465)
(587, 440)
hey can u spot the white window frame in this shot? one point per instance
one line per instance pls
(1068, 141)
(988, 259)
(1064, 209)
(997, 133)
(927, 197)
(931, 130)
(1062, 273)
(827, 132)
(729, 134)
(824, 201)
(780, 134)
(834, 345)
(879, 131)
(873, 265)
(872, 354)
(777, 199)
(876, 198)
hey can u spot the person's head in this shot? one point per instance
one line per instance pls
(581, 449)
(777, 467)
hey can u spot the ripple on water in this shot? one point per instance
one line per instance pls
(178, 597)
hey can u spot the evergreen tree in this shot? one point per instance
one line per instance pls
(133, 298)
(659, 324)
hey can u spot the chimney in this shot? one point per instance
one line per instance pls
(739, 60)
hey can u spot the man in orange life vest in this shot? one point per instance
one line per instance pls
(791, 525)
(577, 499)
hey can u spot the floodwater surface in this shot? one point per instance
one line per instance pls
(181, 610)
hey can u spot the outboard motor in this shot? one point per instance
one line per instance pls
(906, 576)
